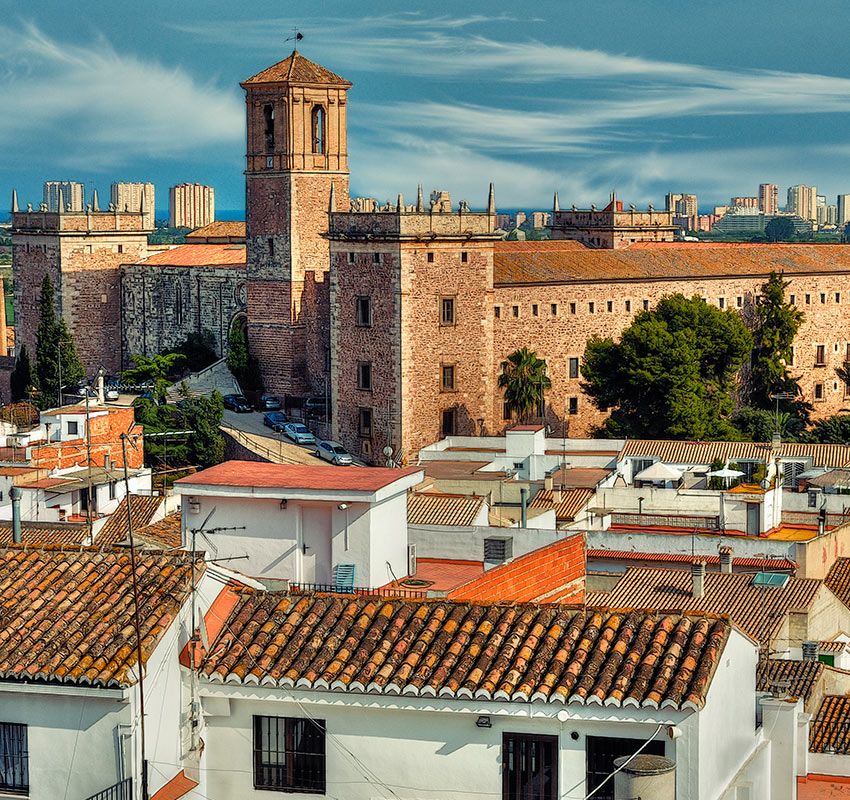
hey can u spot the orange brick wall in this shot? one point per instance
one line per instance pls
(551, 574)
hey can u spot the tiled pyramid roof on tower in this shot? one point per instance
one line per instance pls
(297, 69)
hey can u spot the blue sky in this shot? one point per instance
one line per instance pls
(577, 97)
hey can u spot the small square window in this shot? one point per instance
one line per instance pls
(363, 311)
(515, 310)
(447, 311)
(497, 311)
(573, 405)
(535, 311)
(572, 308)
(350, 256)
(591, 307)
(447, 379)
(364, 375)
(628, 305)
(364, 422)
(376, 258)
(610, 306)
(73, 427)
(554, 309)
(464, 257)
(572, 368)
(818, 391)
(739, 301)
(646, 305)
(430, 258)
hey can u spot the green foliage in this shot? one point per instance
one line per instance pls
(198, 349)
(55, 353)
(157, 371)
(241, 362)
(524, 380)
(779, 229)
(759, 424)
(22, 379)
(203, 415)
(832, 430)
(672, 374)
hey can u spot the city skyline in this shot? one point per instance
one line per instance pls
(637, 114)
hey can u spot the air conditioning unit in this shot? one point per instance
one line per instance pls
(411, 559)
(498, 549)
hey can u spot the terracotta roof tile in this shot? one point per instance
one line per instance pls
(167, 532)
(838, 579)
(181, 784)
(461, 650)
(823, 787)
(767, 564)
(66, 615)
(530, 263)
(800, 675)
(830, 731)
(572, 501)
(295, 477)
(434, 508)
(297, 69)
(234, 229)
(200, 255)
(115, 528)
(757, 610)
(35, 534)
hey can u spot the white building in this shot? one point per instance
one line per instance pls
(309, 525)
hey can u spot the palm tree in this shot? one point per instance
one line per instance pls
(524, 380)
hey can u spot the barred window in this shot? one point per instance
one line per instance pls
(289, 754)
(14, 758)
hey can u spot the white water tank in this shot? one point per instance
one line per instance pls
(645, 777)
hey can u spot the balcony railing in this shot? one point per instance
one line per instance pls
(359, 591)
(667, 521)
(123, 790)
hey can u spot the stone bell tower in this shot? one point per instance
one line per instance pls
(297, 171)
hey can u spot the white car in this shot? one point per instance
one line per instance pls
(110, 393)
(334, 452)
(298, 433)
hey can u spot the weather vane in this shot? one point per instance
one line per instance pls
(296, 37)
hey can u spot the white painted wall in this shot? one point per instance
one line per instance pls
(444, 541)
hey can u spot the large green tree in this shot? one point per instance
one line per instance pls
(832, 430)
(241, 362)
(779, 229)
(524, 382)
(22, 379)
(55, 352)
(154, 371)
(673, 374)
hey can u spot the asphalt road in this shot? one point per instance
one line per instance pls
(276, 442)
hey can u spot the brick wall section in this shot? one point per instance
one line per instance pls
(555, 573)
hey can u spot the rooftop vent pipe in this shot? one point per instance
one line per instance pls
(810, 651)
(15, 496)
(725, 559)
(698, 578)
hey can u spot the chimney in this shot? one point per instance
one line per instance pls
(15, 496)
(523, 500)
(725, 559)
(698, 578)
(644, 775)
(810, 651)
(548, 483)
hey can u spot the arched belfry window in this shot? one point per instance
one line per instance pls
(268, 118)
(318, 119)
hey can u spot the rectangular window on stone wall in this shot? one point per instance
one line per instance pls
(554, 309)
(464, 257)
(591, 307)
(791, 359)
(838, 297)
(573, 405)
(721, 302)
(515, 310)
(792, 299)
(628, 306)
(808, 299)
(572, 308)
(447, 378)
(818, 391)
(448, 422)
(820, 355)
(739, 301)
(364, 375)
(506, 410)
(376, 258)
(572, 370)
(497, 311)
(823, 297)
(535, 310)
(350, 256)
(364, 422)
(646, 305)
(364, 311)
(610, 306)
(447, 311)
(430, 258)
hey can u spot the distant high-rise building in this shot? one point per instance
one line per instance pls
(831, 214)
(191, 205)
(520, 218)
(843, 209)
(768, 198)
(73, 194)
(803, 201)
(503, 221)
(539, 219)
(128, 197)
(744, 202)
(681, 205)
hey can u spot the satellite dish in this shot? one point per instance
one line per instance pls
(387, 451)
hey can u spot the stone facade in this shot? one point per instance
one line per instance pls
(82, 253)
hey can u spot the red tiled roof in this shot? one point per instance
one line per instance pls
(823, 787)
(66, 616)
(460, 650)
(36, 534)
(526, 428)
(838, 579)
(167, 532)
(441, 574)
(572, 501)
(115, 529)
(200, 255)
(434, 508)
(262, 475)
(757, 610)
(552, 264)
(181, 784)
(549, 574)
(234, 229)
(800, 675)
(297, 69)
(829, 731)
(774, 564)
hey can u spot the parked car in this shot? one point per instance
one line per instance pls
(110, 393)
(315, 407)
(237, 403)
(298, 433)
(269, 402)
(334, 452)
(276, 420)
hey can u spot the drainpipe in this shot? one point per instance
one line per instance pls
(523, 499)
(15, 495)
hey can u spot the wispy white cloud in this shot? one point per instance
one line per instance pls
(102, 108)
